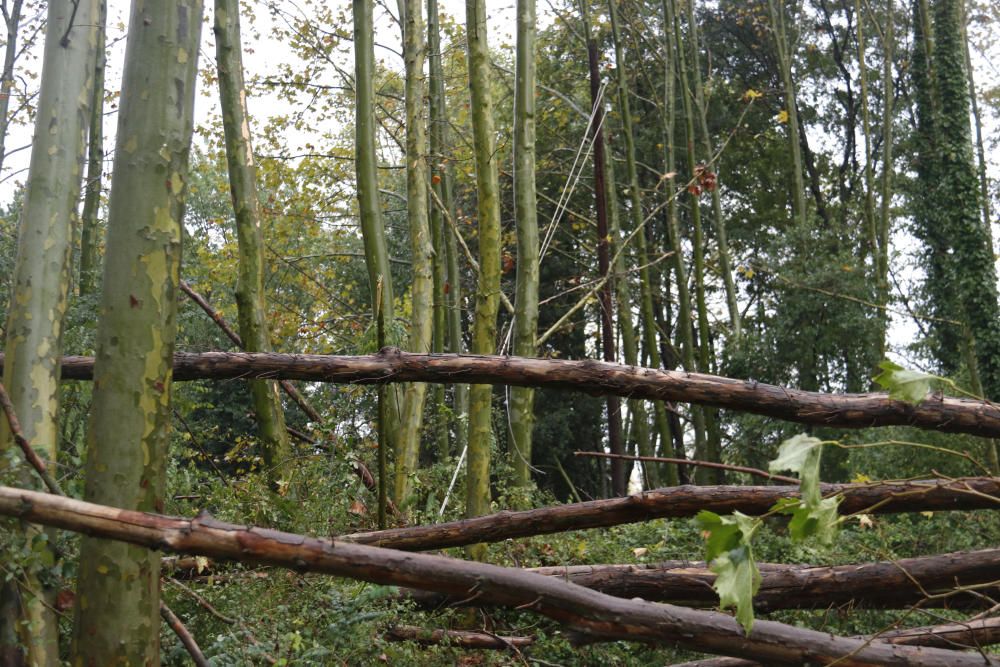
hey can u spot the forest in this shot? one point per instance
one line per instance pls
(617, 333)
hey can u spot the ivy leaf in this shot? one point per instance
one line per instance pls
(801, 454)
(903, 384)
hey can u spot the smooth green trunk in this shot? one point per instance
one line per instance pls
(116, 619)
(422, 288)
(250, 301)
(522, 399)
(40, 288)
(441, 168)
(369, 206)
(488, 286)
(90, 231)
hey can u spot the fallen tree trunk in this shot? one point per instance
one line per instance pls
(685, 501)
(958, 635)
(459, 638)
(952, 415)
(582, 610)
(886, 585)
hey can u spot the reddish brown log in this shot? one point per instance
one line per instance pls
(170, 618)
(459, 638)
(886, 585)
(582, 610)
(685, 501)
(957, 635)
(953, 415)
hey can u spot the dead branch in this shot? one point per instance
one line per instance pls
(582, 610)
(461, 638)
(686, 501)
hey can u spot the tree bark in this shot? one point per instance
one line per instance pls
(686, 501)
(41, 280)
(619, 482)
(422, 288)
(90, 231)
(522, 399)
(488, 286)
(117, 615)
(939, 413)
(250, 302)
(587, 612)
(883, 585)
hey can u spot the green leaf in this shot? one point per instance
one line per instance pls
(729, 555)
(903, 384)
(737, 581)
(801, 454)
(820, 521)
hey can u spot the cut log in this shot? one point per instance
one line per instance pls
(952, 415)
(685, 501)
(580, 609)
(885, 585)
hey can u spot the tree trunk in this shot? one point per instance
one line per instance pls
(886, 185)
(13, 24)
(40, 288)
(721, 237)
(117, 617)
(619, 482)
(369, 207)
(712, 441)
(948, 415)
(522, 399)
(90, 231)
(686, 501)
(442, 185)
(784, 57)
(635, 209)
(250, 300)
(583, 611)
(422, 288)
(488, 287)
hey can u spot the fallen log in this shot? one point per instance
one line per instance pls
(885, 585)
(958, 635)
(460, 638)
(685, 501)
(582, 610)
(952, 415)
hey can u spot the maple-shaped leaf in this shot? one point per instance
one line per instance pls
(903, 384)
(801, 454)
(737, 581)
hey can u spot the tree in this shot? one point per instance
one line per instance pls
(488, 283)
(116, 617)
(40, 292)
(422, 253)
(251, 307)
(522, 400)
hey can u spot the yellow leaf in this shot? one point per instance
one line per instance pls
(927, 514)
(861, 478)
(752, 95)
(865, 521)
(782, 116)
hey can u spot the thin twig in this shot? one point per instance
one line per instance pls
(688, 462)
